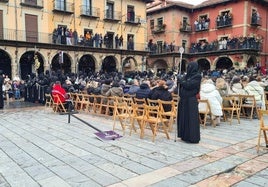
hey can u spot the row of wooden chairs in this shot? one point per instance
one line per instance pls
(129, 111)
(149, 114)
(238, 106)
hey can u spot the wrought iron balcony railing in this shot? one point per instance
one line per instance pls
(223, 24)
(63, 6)
(32, 3)
(186, 28)
(49, 38)
(256, 21)
(132, 19)
(112, 15)
(89, 11)
(159, 29)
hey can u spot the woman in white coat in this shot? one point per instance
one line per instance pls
(209, 91)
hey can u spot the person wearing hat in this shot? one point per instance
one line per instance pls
(1, 90)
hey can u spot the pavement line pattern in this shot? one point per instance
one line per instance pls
(40, 148)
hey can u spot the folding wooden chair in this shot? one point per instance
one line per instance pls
(97, 104)
(232, 110)
(155, 120)
(58, 106)
(168, 114)
(89, 102)
(248, 103)
(266, 99)
(263, 128)
(140, 101)
(137, 116)
(152, 102)
(122, 113)
(204, 112)
(48, 102)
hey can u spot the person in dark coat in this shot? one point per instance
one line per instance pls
(188, 120)
(161, 92)
(1, 90)
(143, 91)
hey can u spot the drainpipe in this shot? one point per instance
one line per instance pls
(16, 37)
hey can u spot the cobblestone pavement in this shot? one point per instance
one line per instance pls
(40, 148)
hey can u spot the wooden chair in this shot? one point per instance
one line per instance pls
(155, 120)
(266, 99)
(232, 110)
(58, 106)
(152, 102)
(263, 128)
(137, 116)
(140, 101)
(175, 97)
(80, 102)
(89, 99)
(122, 113)
(48, 100)
(204, 112)
(97, 104)
(170, 114)
(248, 103)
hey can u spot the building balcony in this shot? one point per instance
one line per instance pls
(223, 24)
(132, 19)
(186, 28)
(33, 3)
(256, 21)
(8, 36)
(114, 16)
(92, 12)
(159, 29)
(62, 7)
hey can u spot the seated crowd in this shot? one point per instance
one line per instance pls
(213, 88)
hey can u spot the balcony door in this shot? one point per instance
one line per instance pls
(110, 10)
(31, 28)
(87, 7)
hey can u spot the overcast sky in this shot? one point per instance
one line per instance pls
(193, 2)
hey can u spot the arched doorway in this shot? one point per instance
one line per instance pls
(224, 63)
(129, 64)
(252, 62)
(203, 64)
(86, 65)
(5, 63)
(160, 67)
(27, 64)
(108, 64)
(62, 62)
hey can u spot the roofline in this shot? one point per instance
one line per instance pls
(191, 8)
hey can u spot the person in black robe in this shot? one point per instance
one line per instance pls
(188, 120)
(1, 90)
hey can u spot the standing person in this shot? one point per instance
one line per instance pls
(1, 90)
(100, 40)
(116, 41)
(75, 37)
(121, 42)
(188, 116)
